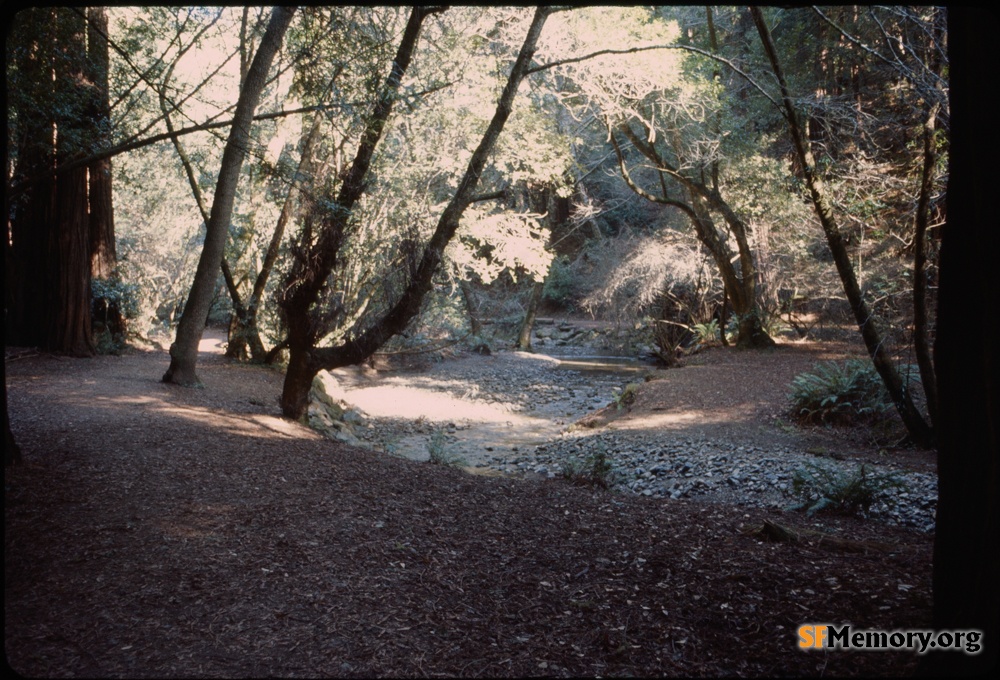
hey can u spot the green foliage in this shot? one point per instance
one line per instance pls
(560, 286)
(626, 396)
(706, 333)
(116, 294)
(440, 452)
(828, 487)
(113, 304)
(595, 470)
(839, 393)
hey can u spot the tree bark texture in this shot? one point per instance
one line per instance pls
(921, 332)
(184, 350)
(967, 537)
(103, 250)
(313, 263)
(104, 258)
(900, 395)
(294, 397)
(49, 296)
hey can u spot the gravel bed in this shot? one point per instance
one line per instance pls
(721, 471)
(649, 463)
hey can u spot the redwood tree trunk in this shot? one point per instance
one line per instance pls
(103, 251)
(49, 296)
(104, 258)
(184, 350)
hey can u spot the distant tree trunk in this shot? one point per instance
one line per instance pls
(966, 544)
(244, 331)
(184, 350)
(305, 359)
(921, 341)
(103, 251)
(528, 324)
(103, 258)
(901, 397)
(70, 322)
(468, 297)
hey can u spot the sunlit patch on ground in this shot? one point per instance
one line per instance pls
(400, 401)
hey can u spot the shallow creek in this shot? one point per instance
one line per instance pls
(485, 407)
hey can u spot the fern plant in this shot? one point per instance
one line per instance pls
(839, 393)
(823, 487)
(706, 333)
(595, 470)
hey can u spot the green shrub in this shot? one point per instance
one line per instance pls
(827, 487)
(440, 453)
(626, 396)
(839, 393)
(706, 333)
(594, 470)
(113, 305)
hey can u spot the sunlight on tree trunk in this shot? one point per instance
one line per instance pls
(530, 312)
(184, 351)
(305, 359)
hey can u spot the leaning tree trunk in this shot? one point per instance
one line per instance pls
(307, 361)
(741, 287)
(528, 323)
(901, 397)
(184, 351)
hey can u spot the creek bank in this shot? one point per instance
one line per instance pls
(513, 413)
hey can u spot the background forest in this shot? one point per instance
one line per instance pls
(651, 172)
(326, 183)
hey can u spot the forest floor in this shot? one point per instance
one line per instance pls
(157, 531)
